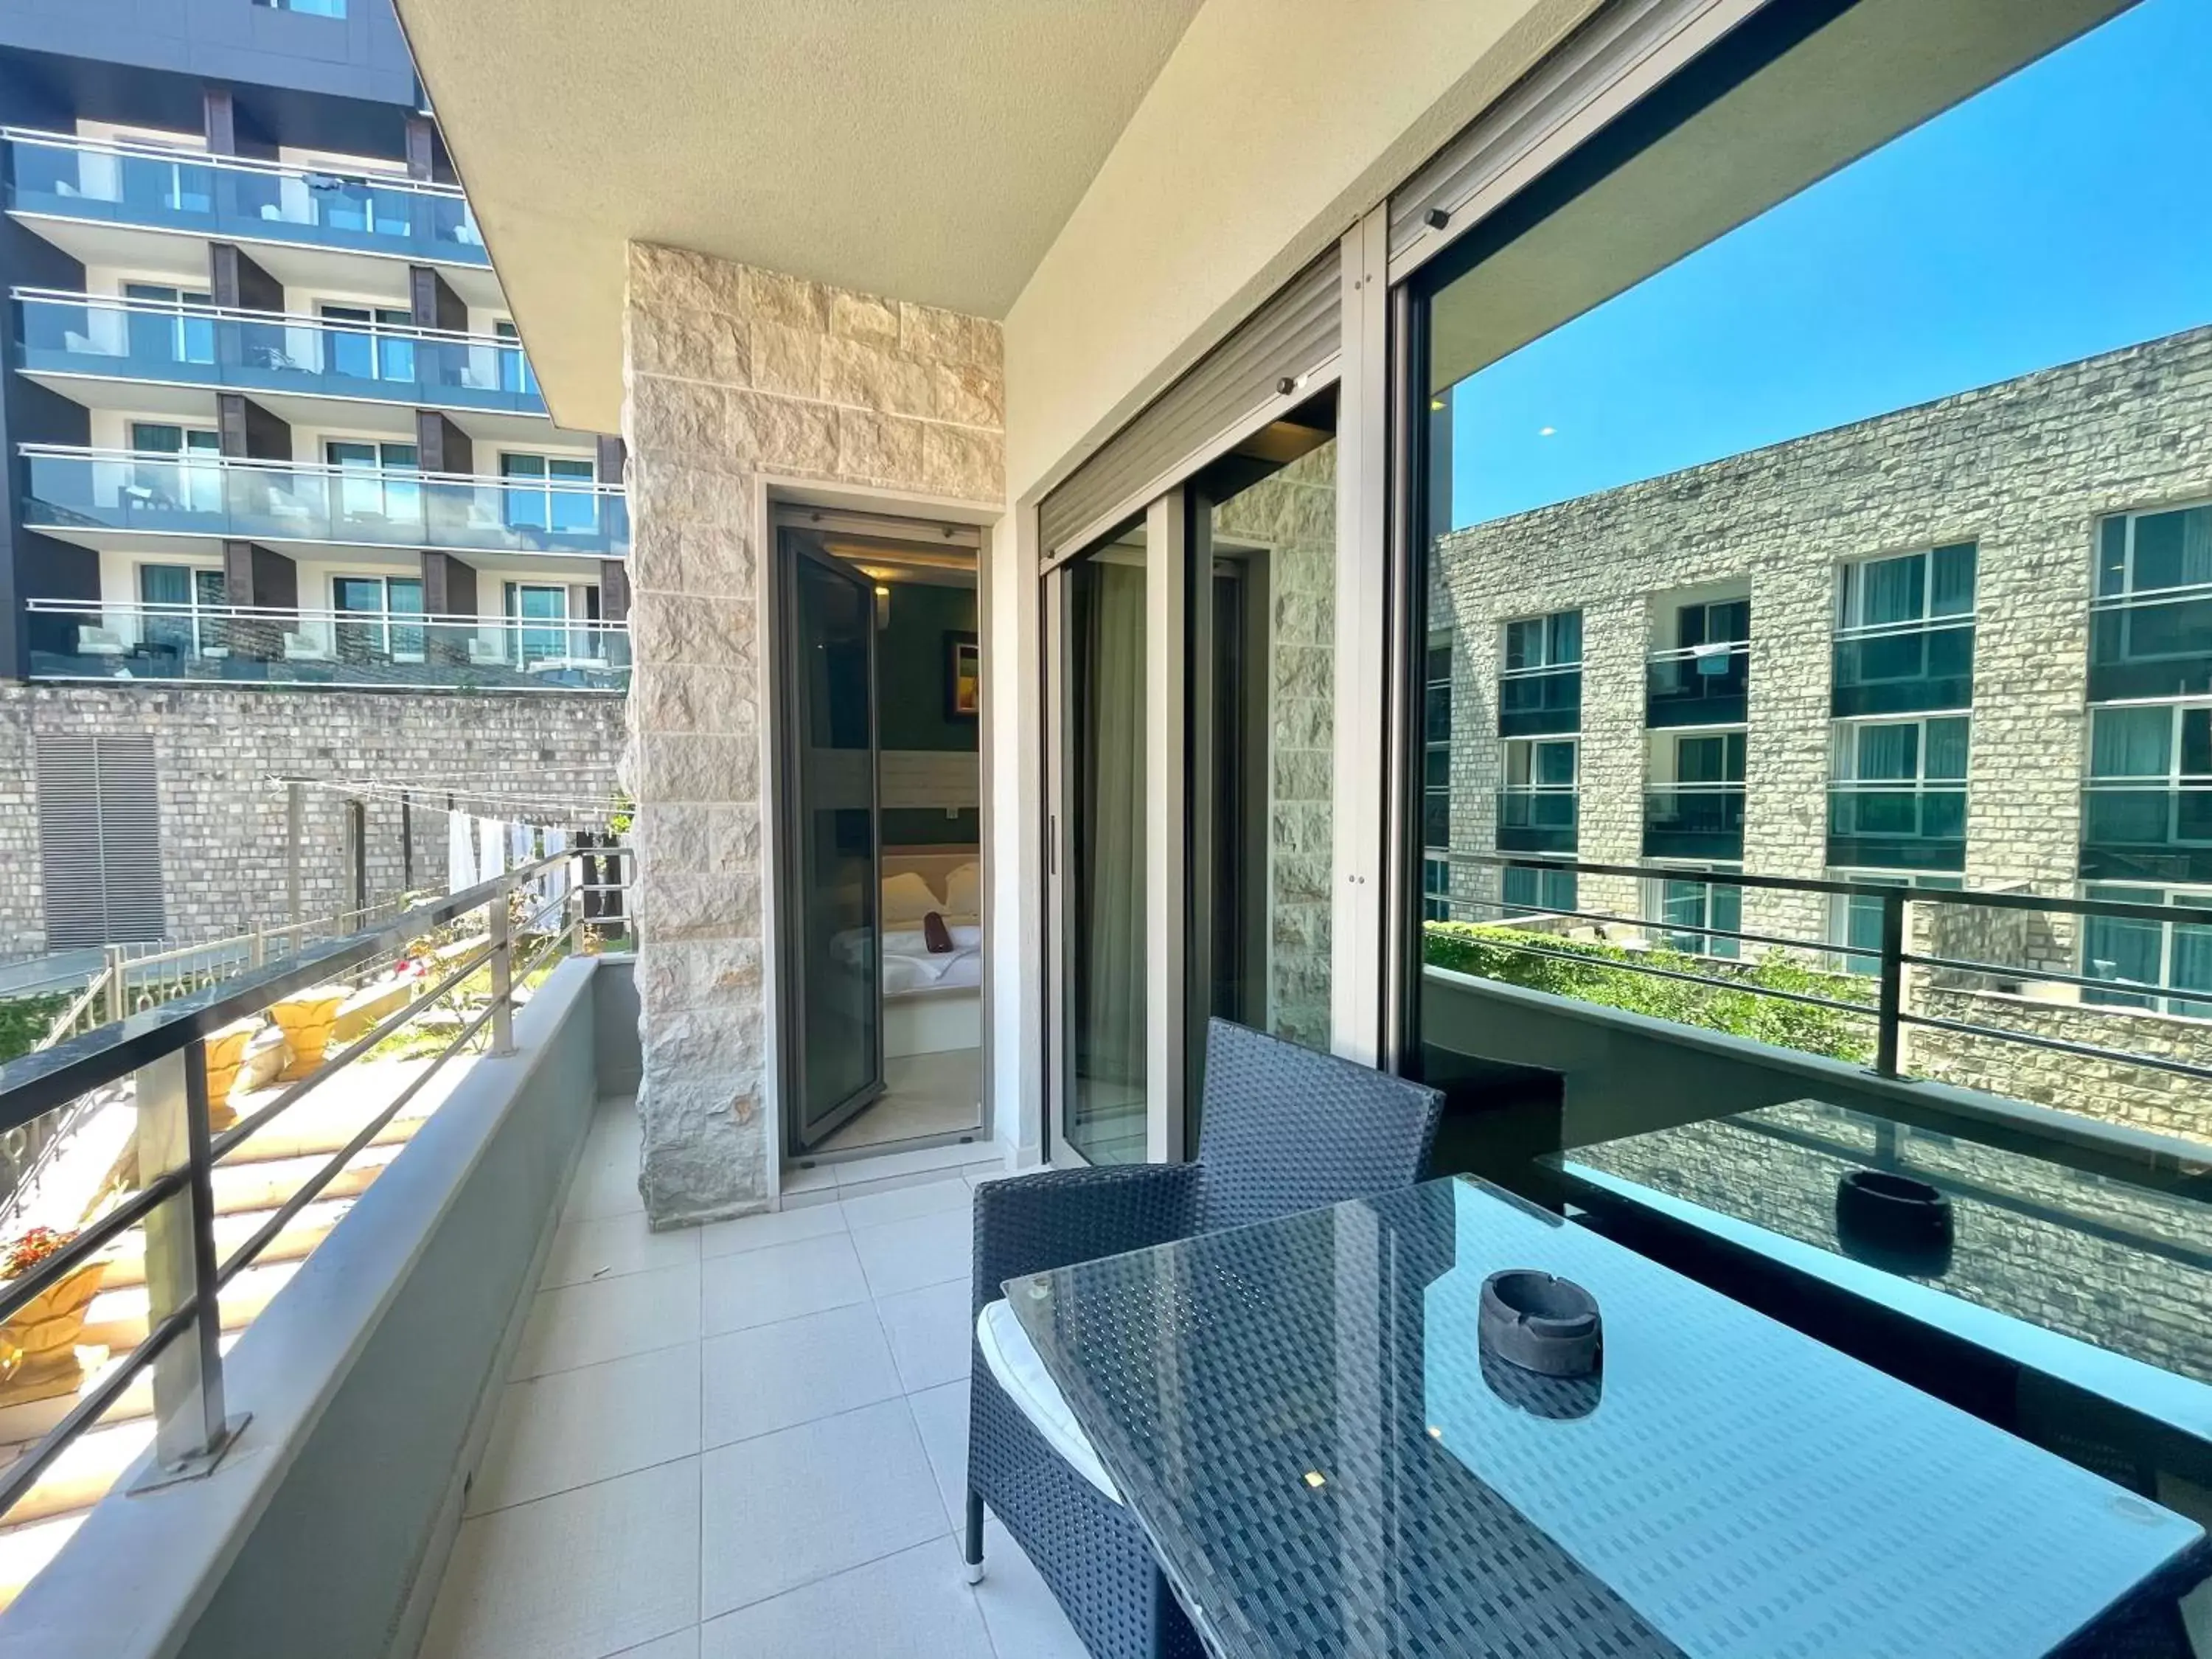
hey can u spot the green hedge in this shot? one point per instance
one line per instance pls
(24, 1020)
(1487, 952)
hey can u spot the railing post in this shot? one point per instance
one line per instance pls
(117, 1001)
(1890, 1031)
(259, 949)
(502, 973)
(191, 1426)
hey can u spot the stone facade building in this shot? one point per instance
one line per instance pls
(2011, 517)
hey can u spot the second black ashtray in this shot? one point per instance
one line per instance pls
(1894, 1222)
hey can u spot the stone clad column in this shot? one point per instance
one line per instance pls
(731, 373)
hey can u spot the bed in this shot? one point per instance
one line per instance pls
(932, 1002)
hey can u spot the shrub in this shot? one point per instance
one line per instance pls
(1488, 951)
(25, 1020)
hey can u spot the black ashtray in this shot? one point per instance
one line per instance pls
(1539, 1323)
(1894, 1222)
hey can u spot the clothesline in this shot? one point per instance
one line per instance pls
(536, 808)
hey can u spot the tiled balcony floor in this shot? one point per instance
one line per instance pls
(742, 1440)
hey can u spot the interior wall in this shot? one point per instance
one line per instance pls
(1306, 112)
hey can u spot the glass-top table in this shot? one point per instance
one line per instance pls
(2099, 1286)
(1299, 1415)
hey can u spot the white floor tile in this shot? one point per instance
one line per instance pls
(614, 1245)
(684, 1644)
(754, 1232)
(785, 1509)
(1025, 1620)
(608, 1318)
(757, 1287)
(913, 1605)
(924, 1249)
(775, 1376)
(941, 1415)
(569, 1428)
(605, 1183)
(931, 1334)
(579, 1575)
(902, 1203)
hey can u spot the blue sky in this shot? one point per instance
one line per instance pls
(2063, 212)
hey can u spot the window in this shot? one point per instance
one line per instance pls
(1907, 590)
(168, 334)
(308, 8)
(550, 494)
(2159, 956)
(2148, 552)
(515, 374)
(1436, 756)
(1540, 683)
(365, 352)
(538, 615)
(1904, 632)
(1856, 919)
(176, 598)
(1714, 759)
(191, 484)
(99, 841)
(1717, 622)
(1436, 888)
(1679, 903)
(383, 598)
(1540, 642)
(1897, 793)
(372, 485)
(1530, 891)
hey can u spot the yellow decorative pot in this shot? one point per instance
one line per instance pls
(37, 1345)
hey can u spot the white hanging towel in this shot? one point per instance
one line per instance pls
(491, 838)
(556, 875)
(460, 853)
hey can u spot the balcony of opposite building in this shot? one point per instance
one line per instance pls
(1698, 685)
(1903, 668)
(62, 180)
(150, 357)
(2156, 644)
(2147, 832)
(1694, 821)
(1536, 820)
(1882, 826)
(194, 503)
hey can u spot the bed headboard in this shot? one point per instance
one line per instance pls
(932, 864)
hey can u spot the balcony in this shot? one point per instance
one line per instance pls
(1535, 702)
(1701, 685)
(1694, 821)
(1897, 827)
(357, 650)
(1536, 820)
(1903, 668)
(2151, 832)
(90, 496)
(68, 336)
(60, 176)
(2151, 645)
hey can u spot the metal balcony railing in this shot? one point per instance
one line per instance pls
(173, 342)
(2151, 645)
(160, 1058)
(1533, 701)
(156, 187)
(1694, 821)
(2156, 831)
(1903, 668)
(1698, 685)
(1879, 999)
(90, 640)
(1896, 826)
(1539, 820)
(275, 502)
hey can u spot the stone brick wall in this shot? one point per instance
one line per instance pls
(1293, 514)
(733, 372)
(222, 825)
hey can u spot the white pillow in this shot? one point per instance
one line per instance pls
(907, 900)
(963, 891)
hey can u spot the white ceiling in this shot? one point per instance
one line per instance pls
(928, 150)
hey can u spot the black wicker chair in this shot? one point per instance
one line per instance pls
(1283, 1129)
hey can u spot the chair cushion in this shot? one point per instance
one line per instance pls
(1016, 1368)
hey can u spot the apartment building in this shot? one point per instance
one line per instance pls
(282, 496)
(1966, 644)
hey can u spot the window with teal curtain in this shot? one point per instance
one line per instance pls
(1892, 589)
(1951, 587)
(2130, 743)
(2173, 549)
(1888, 754)
(1945, 759)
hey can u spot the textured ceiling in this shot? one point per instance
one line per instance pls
(928, 150)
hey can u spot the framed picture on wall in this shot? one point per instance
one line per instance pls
(964, 667)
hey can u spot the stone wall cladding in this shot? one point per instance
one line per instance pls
(731, 371)
(1293, 513)
(223, 837)
(2024, 469)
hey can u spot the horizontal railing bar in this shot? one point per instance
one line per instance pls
(309, 1189)
(1693, 653)
(2114, 908)
(395, 477)
(1901, 629)
(37, 1083)
(2042, 975)
(358, 328)
(1653, 925)
(266, 1114)
(23, 1473)
(197, 158)
(18, 1293)
(2060, 1045)
(265, 613)
(1862, 1009)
